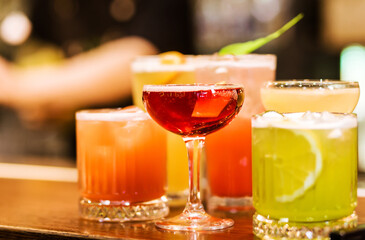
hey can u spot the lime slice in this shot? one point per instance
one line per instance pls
(296, 164)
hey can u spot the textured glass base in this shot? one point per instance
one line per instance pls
(118, 211)
(267, 228)
(229, 204)
(194, 221)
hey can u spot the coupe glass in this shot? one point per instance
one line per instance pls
(310, 95)
(193, 111)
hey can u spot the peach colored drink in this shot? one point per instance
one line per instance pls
(121, 158)
(310, 95)
(228, 151)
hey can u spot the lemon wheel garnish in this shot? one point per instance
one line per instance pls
(297, 163)
(172, 57)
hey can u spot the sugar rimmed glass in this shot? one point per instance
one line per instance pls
(193, 111)
(310, 95)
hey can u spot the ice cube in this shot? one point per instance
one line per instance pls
(327, 116)
(311, 116)
(335, 133)
(272, 115)
(267, 118)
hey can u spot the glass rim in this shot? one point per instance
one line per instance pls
(259, 121)
(184, 86)
(311, 83)
(152, 63)
(156, 56)
(352, 114)
(111, 114)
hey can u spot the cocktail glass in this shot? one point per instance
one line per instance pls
(310, 95)
(193, 111)
(230, 181)
(121, 160)
(304, 174)
(305, 160)
(152, 70)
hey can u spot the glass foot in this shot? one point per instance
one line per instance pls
(266, 228)
(200, 221)
(119, 211)
(229, 204)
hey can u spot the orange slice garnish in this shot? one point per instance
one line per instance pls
(172, 57)
(209, 107)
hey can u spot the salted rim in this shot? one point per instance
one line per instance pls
(294, 121)
(151, 63)
(246, 60)
(112, 114)
(187, 87)
(310, 84)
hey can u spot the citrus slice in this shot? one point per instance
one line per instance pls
(297, 163)
(209, 107)
(172, 57)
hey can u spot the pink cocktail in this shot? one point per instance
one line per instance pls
(230, 181)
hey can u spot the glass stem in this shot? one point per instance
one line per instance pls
(194, 147)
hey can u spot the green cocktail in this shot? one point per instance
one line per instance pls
(304, 171)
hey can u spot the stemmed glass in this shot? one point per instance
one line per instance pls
(310, 95)
(193, 111)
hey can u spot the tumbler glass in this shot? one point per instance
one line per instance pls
(304, 174)
(121, 160)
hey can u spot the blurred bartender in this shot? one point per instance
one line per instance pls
(63, 55)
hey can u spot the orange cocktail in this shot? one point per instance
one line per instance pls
(228, 151)
(121, 159)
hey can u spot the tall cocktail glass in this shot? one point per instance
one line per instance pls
(121, 160)
(153, 70)
(193, 111)
(230, 181)
(305, 159)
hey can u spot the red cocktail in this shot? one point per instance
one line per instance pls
(193, 111)
(189, 112)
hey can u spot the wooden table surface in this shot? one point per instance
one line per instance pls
(32, 209)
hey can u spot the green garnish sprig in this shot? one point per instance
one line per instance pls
(250, 46)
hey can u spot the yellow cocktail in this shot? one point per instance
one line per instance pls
(162, 70)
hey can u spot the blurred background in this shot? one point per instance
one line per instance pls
(326, 43)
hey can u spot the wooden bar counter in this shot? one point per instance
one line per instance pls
(41, 209)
